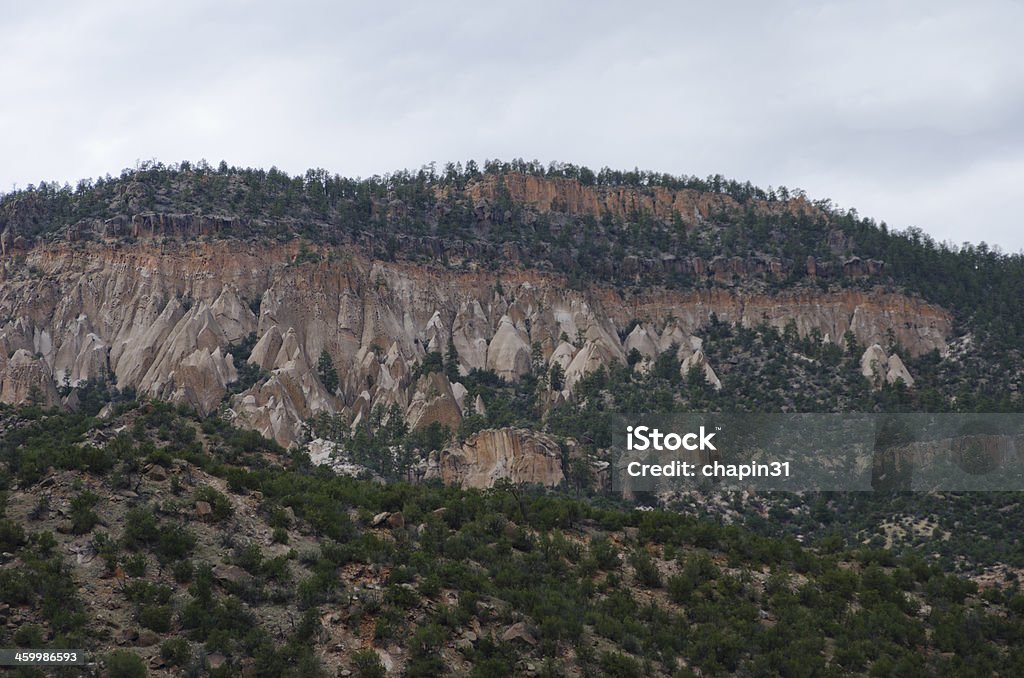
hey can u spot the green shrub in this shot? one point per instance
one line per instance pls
(646, 570)
(12, 537)
(156, 617)
(174, 542)
(140, 527)
(366, 664)
(83, 518)
(176, 651)
(135, 565)
(183, 571)
(124, 664)
(424, 658)
(604, 553)
(249, 558)
(680, 589)
(148, 592)
(29, 635)
(620, 666)
(221, 505)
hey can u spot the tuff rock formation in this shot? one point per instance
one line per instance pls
(699, 361)
(488, 456)
(880, 368)
(162, 318)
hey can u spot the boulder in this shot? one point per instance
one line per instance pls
(157, 473)
(519, 633)
(231, 574)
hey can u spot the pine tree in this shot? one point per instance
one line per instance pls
(451, 362)
(328, 374)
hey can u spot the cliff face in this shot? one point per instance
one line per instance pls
(160, 319)
(517, 455)
(568, 195)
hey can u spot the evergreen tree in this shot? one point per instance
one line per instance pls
(326, 371)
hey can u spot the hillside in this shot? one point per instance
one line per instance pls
(254, 424)
(189, 544)
(248, 288)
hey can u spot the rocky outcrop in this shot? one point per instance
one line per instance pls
(697, 360)
(508, 352)
(879, 368)
(488, 456)
(154, 225)
(201, 379)
(557, 194)
(279, 406)
(917, 326)
(897, 371)
(24, 379)
(161, 320)
(433, 401)
(687, 207)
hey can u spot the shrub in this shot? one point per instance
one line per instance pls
(680, 588)
(124, 664)
(366, 664)
(135, 565)
(174, 542)
(221, 505)
(176, 651)
(12, 537)
(604, 553)
(615, 664)
(140, 527)
(424, 658)
(183, 571)
(249, 558)
(148, 593)
(156, 617)
(28, 635)
(646, 570)
(83, 518)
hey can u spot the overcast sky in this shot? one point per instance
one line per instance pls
(911, 112)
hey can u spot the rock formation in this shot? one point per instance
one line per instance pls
(880, 368)
(434, 400)
(161, 320)
(488, 456)
(699, 361)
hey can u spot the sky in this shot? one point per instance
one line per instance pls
(910, 112)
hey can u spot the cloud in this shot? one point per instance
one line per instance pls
(908, 111)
